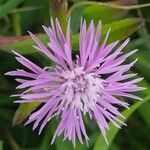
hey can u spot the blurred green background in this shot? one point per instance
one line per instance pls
(19, 16)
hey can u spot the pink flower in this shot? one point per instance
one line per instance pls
(91, 84)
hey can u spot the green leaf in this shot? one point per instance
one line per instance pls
(16, 23)
(142, 66)
(104, 13)
(100, 143)
(59, 10)
(144, 112)
(76, 18)
(21, 44)
(24, 111)
(1, 145)
(67, 145)
(119, 31)
(8, 6)
(45, 143)
(39, 16)
(107, 4)
(96, 12)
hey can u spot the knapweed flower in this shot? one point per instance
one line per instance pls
(92, 83)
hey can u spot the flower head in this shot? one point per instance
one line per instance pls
(91, 84)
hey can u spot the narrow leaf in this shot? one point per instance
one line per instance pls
(21, 44)
(120, 30)
(144, 112)
(24, 111)
(8, 6)
(59, 10)
(108, 4)
(104, 13)
(1, 145)
(100, 143)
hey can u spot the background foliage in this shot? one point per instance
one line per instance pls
(19, 16)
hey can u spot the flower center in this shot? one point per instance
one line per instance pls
(82, 90)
